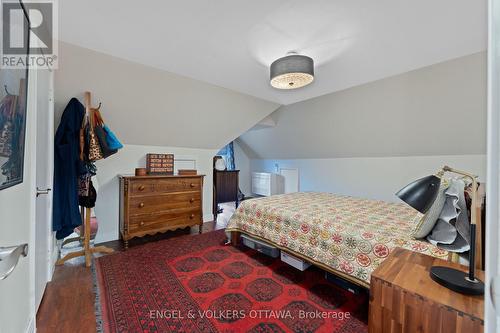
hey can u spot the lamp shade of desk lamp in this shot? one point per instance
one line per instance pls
(420, 195)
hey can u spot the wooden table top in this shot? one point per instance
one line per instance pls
(409, 271)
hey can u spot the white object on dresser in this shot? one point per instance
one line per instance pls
(266, 184)
(220, 164)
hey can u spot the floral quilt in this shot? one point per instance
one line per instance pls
(350, 235)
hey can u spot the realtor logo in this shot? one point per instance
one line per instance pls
(29, 43)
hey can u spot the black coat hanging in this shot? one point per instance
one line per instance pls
(66, 214)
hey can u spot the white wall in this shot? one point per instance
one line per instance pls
(375, 177)
(148, 106)
(125, 162)
(436, 110)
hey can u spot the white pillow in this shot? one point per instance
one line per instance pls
(428, 221)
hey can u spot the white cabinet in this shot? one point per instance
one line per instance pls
(266, 184)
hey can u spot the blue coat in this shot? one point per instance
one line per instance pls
(66, 213)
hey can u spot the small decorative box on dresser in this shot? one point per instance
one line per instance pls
(152, 204)
(404, 298)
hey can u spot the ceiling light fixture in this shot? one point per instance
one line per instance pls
(292, 71)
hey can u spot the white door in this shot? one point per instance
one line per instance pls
(492, 315)
(291, 176)
(44, 237)
(17, 224)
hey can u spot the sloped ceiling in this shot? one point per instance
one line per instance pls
(148, 106)
(437, 110)
(231, 43)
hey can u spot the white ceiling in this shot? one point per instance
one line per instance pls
(231, 43)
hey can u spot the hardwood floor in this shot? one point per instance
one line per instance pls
(68, 302)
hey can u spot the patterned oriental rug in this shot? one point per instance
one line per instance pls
(194, 283)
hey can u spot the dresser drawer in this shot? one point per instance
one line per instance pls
(155, 186)
(142, 223)
(159, 203)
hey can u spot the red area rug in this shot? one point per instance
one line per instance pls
(196, 284)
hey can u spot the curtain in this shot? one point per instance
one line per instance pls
(227, 152)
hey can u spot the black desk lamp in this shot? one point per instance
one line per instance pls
(420, 195)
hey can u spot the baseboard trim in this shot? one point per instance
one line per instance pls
(31, 326)
(208, 218)
(53, 259)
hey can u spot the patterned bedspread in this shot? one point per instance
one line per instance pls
(349, 235)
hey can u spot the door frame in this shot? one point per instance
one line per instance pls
(492, 322)
(30, 177)
(49, 253)
(53, 246)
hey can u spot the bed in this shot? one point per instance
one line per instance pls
(344, 235)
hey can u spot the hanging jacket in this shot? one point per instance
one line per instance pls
(66, 213)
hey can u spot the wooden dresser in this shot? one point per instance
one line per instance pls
(404, 298)
(152, 204)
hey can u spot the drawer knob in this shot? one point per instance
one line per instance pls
(192, 185)
(141, 205)
(142, 223)
(141, 188)
(191, 216)
(191, 200)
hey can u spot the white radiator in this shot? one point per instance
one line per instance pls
(266, 184)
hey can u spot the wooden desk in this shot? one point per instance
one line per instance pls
(403, 298)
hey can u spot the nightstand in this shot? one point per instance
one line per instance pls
(403, 298)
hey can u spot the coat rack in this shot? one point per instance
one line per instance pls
(85, 212)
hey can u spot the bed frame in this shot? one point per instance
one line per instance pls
(480, 239)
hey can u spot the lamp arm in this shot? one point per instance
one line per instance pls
(460, 172)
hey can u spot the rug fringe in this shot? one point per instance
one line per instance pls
(97, 304)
